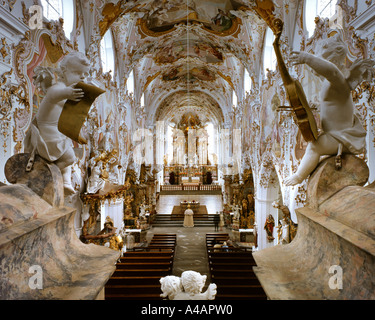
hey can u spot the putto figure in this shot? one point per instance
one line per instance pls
(188, 287)
(343, 132)
(43, 137)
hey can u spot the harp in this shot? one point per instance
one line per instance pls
(74, 113)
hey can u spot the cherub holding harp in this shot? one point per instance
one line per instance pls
(342, 131)
(43, 137)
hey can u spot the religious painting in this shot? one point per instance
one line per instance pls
(182, 49)
(192, 74)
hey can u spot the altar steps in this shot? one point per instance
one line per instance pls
(176, 220)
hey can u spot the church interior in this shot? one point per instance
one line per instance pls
(148, 147)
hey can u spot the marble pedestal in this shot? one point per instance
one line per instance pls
(41, 256)
(333, 253)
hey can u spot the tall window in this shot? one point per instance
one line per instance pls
(130, 83)
(143, 100)
(321, 8)
(107, 53)
(169, 150)
(211, 148)
(269, 53)
(54, 9)
(234, 99)
(326, 8)
(246, 81)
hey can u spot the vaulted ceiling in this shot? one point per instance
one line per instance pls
(187, 54)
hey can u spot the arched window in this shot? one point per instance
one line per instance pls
(246, 81)
(321, 8)
(107, 53)
(130, 82)
(54, 9)
(269, 61)
(326, 8)
(143, 100)
(234, 99)
(211, 148)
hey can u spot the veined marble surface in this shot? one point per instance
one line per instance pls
(41, 256)
(335, 234)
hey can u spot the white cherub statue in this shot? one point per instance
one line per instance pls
(170, 286)
(188, 287)
(43, 137)
(342, 131)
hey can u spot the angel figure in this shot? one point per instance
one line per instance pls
(170, 287)
(342, 131)
(193, 283)
(43, 137)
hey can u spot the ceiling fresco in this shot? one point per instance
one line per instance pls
(188, 48)
(189, 73)
(213, 14)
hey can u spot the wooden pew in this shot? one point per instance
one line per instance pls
(162, 243)
(143, 289)
(142, 272)
(161, 246)
(143, 265)
(148, 252)
(134, 280)
(137, 275)
(146, 259)
(216, 234)
(165, 235)
(232, 272)
(223, 280)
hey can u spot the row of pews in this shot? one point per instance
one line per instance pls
(138, 272)
(231, 270)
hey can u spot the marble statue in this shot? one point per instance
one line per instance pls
(284, 231)
(342, 131)
(142, 211)
(188, 287)
(95, 182)
(287, 228)
(43, 137)
(170, 286)
(237, 214)
(268, 226)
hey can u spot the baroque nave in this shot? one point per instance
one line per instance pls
(187, 150)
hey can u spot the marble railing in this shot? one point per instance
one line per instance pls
(333, 253)
(41, 256)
